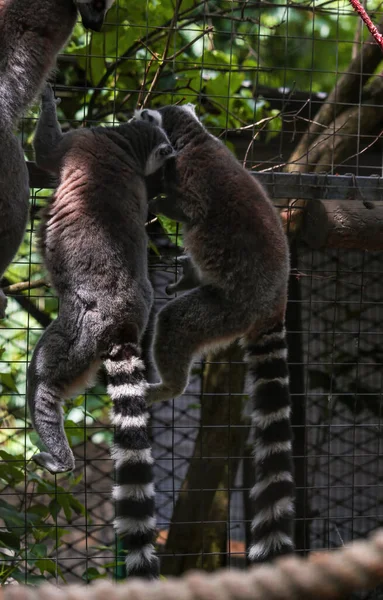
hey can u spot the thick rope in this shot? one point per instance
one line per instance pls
(325, 576)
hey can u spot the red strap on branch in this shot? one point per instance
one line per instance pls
(371, 27)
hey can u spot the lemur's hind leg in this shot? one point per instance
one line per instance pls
(189, 324)
(63, 363)
(48, 135)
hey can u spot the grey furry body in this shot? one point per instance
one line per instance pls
(238, 267)
(94, 245)
(234, 239)
(31, 35)
(14, 199)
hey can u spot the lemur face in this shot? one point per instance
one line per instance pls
(93, 12)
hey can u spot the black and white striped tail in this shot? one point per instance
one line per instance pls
(134, 490)
(274, 489)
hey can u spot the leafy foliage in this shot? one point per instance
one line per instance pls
(30, 535)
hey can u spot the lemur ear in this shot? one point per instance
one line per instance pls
(191, 107)
(151, 116)
(93, 12)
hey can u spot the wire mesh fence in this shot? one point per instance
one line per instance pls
(295, 90)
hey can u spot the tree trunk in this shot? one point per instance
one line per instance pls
(346, 91)
(199, 522)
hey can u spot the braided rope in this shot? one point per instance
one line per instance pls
(325, 576)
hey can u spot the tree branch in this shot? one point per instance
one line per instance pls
(29, 306)
(22, 286)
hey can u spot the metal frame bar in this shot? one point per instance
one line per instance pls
(304, 186)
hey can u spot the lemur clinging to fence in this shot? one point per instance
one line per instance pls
(94, 246)
(31, 35)
(239, 269)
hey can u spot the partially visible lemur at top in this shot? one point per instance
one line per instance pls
(94, 246)
(239, 268)
(31, 35)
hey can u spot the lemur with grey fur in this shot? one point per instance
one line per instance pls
(238, 269)
(31, 35)
(94, 245)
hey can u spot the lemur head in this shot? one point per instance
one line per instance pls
(93, 12)
(150, 143)
(175, 120)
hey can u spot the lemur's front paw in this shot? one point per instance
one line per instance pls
(158, 392)
(48, 97)
(189, 278)
(172, 288)
(3, 304)
(46, 460)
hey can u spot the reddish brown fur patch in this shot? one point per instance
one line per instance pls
(218, 343)
(257, 329)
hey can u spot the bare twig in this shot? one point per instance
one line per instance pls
(143, 84)
(206, 31)
(22, 286)
(306, 153)
(362, 151)
(165, 53)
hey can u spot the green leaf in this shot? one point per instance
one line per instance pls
(8, 383)
(113, 564)
(50, 533)
(33, 579)
(77, 479)
(91, 574)
(76, 505)
(10, 540)
(173, 230)
(54, 508)
(11, 474)
(39, 509)
(64, 502)
(40, 550)
(79, 401)
(11, 517)
(50, 566)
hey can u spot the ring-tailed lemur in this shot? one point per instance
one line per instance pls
(94, 246)
(239, 268)
(31, 35)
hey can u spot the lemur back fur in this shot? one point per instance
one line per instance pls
(94, 245)
(31, 35)
(238, 269)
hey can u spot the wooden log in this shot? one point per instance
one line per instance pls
(343, 224)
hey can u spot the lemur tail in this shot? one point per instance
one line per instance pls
(134, 490)
(274, 490)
